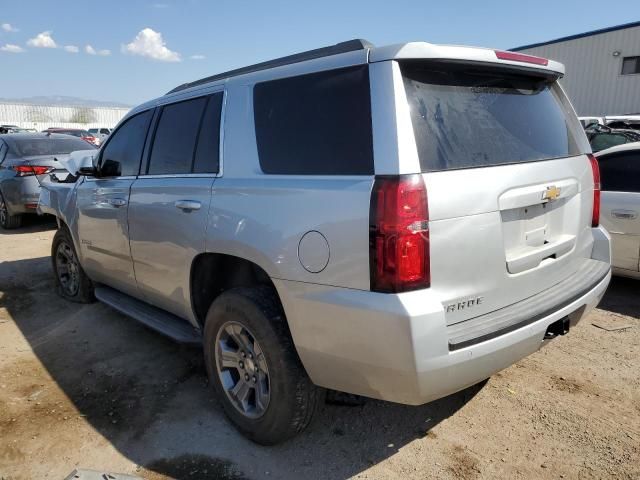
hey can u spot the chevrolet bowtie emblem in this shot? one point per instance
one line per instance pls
(551, 193)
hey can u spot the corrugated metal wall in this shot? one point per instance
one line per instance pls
(593, 80)
(42, 117)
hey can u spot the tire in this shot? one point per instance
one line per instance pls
(8, 221)
(251, 320)
(71, 281)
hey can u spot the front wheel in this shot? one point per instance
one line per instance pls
(73, 284)
(254, 368)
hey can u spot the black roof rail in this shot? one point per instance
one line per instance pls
(342, 47)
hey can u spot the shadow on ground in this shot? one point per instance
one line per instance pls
(622, 297)
(150, 399)
(33, 224)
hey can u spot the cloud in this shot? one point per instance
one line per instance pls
(7, 27)
(149, 43)
(71, 49)
(42, 40)
(197, 57)
(12, 48)
(92, 51)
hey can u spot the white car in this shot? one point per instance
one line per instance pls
(101, 133)
(620, 205)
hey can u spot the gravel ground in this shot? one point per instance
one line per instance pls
(82, 386)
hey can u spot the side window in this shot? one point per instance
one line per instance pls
(104, 131)
(619, 172)
(606, 140)
(175, 139)
(122, 154)
(207, 158)
(316, 124)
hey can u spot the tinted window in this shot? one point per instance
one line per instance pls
(26, 147)
(465, 118)
(104, 131)
(207, 158)
(630, 65)
(122, 153)
(318, 124)
(175, 139)
(600, 141)
(620, 172)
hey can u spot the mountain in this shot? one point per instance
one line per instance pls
(63, 100)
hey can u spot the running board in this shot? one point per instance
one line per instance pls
(163, 322)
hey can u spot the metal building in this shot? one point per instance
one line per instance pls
(42, 117)
(602, 68)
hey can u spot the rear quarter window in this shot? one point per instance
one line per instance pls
(465, 117)
(316, 124)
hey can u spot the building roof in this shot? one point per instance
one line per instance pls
(579, 35)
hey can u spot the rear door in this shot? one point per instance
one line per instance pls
(510, 188)
(620, 210)
(170, 201)
(103, 205)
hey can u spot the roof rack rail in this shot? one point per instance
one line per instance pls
(342, 47)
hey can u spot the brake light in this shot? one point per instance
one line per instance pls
(28, 170)
(595, 168)
(521, 57)
(399, 234)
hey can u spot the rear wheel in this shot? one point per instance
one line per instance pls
(8, 221)
(73, 284)
(254, 368)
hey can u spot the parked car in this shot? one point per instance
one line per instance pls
(387, 222)
(76, 132)
(26, 160)
(9, 129)
(100, 133)
(603, 137)
(620, 177)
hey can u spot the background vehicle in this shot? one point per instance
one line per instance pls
(620, 177)
(101, 133)
(397, 222)
(602, 137)
(76, 132)
(26, 159)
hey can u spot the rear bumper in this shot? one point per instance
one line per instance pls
(21, 194)
(397, 347)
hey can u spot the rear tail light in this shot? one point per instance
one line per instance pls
(28, 170)
(521, 57)
(399, 234)
(595, 218)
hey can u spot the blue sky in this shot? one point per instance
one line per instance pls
(140, 49)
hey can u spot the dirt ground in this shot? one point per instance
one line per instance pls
(82, 386)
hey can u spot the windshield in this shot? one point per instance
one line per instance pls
(464, 117)
(27, 147)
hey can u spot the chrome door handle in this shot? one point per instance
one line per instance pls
(117, 202)
(624, 214)
(188, 205)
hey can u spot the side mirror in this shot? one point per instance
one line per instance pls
(88, 171)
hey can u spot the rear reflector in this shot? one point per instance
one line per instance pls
(521, 57)
(399, 234)
(595, 168)
(28, 170)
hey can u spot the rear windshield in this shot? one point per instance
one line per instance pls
(465, 117)
(26, 147)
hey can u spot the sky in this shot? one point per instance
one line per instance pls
(130, 51)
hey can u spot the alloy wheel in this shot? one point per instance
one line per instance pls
(242, 369)
(68, 270)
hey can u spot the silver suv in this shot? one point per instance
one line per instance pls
(398, 222)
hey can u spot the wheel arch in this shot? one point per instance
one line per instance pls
(214, 273)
